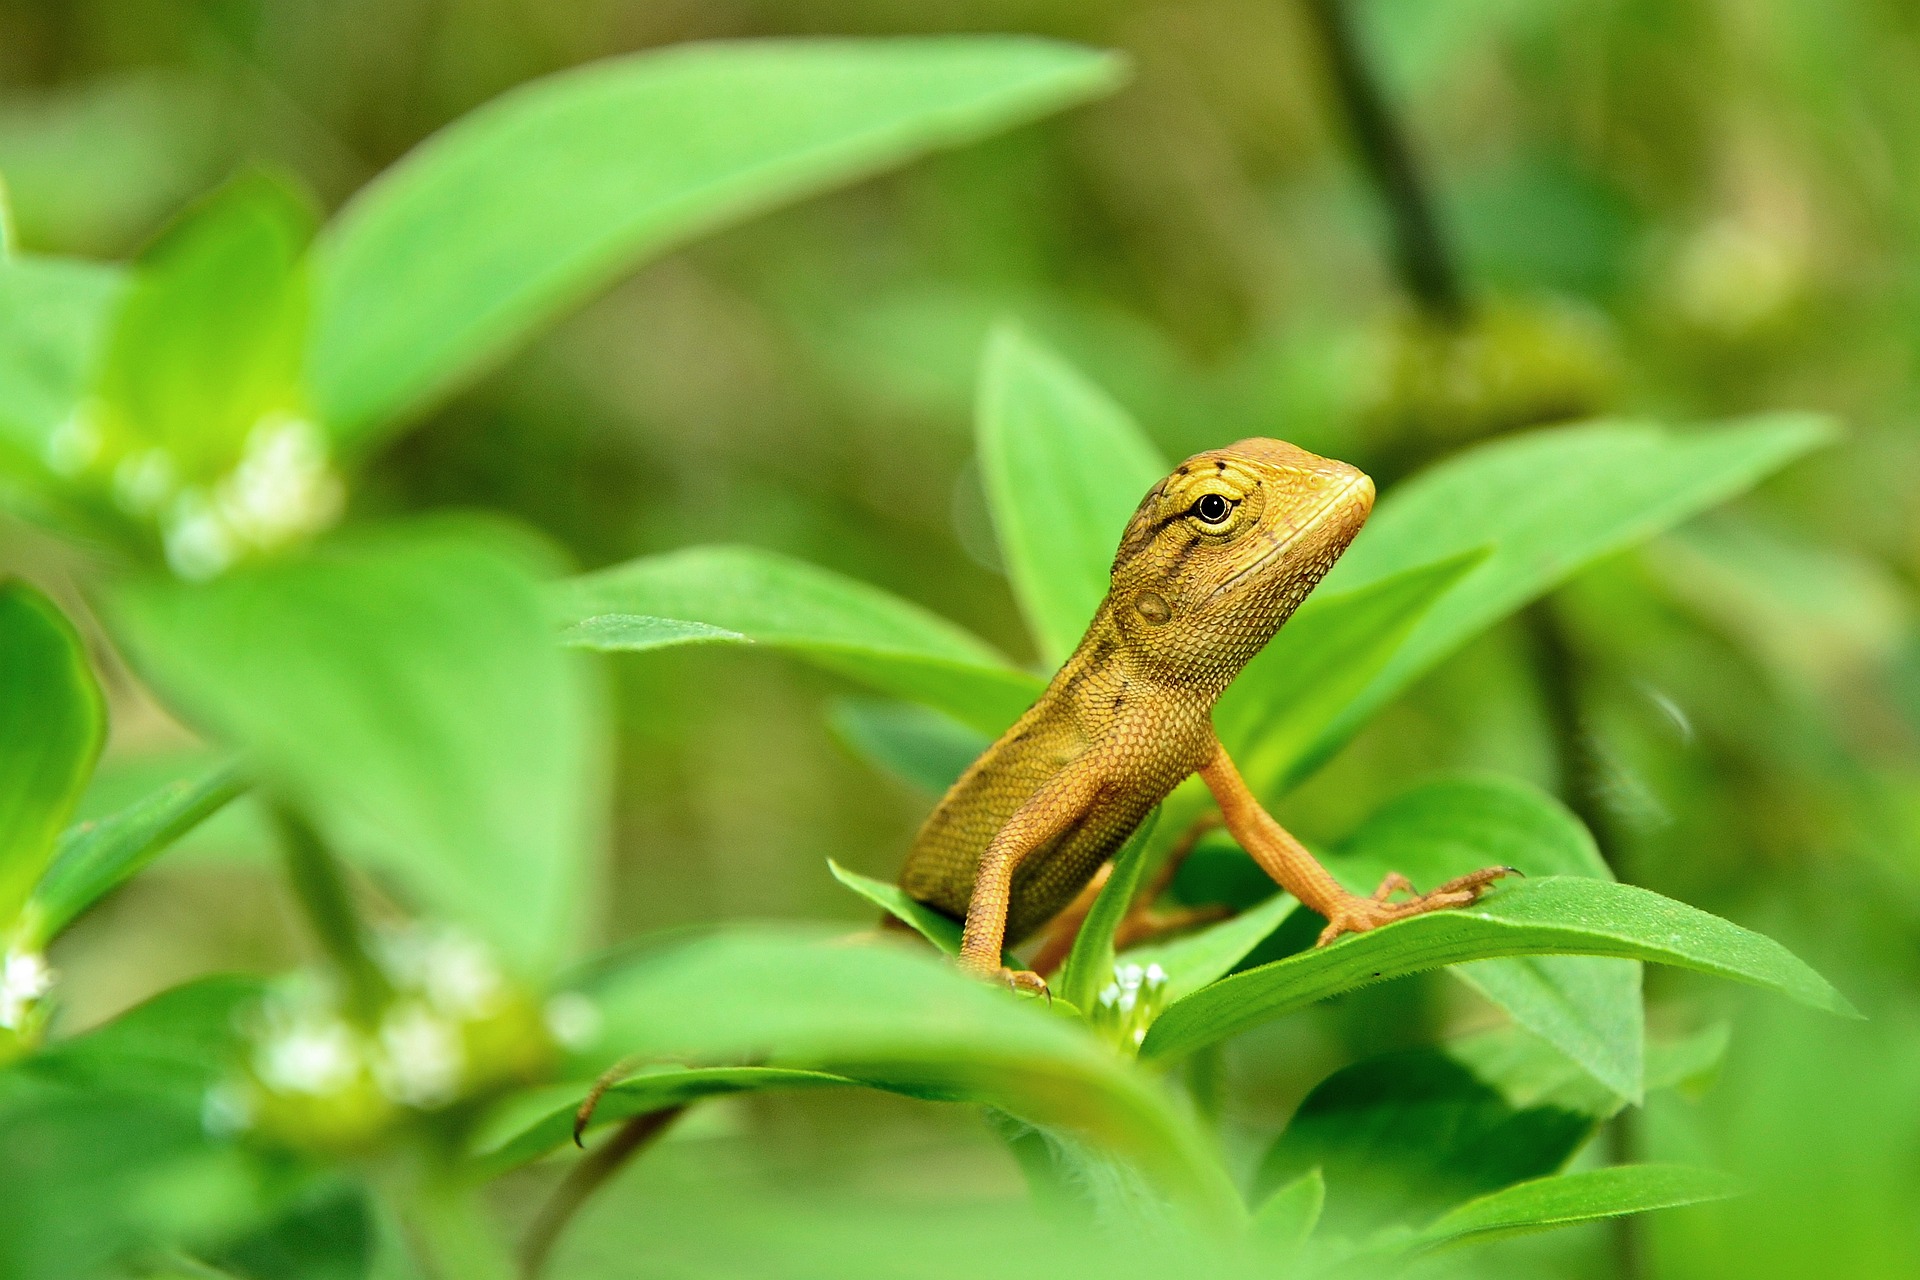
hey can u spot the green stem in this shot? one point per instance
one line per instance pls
(585, 1178)
(441, 1222)
(1421, 252)
(320, 887)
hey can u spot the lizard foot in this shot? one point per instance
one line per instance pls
(1355, 914)
(1026, 980)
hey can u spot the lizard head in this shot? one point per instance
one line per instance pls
(1221, 552)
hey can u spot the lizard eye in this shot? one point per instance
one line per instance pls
(1212, 508)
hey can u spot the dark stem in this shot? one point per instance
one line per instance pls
(583, 1180)
(1558, 665)
(1420, 248)
(321, 890)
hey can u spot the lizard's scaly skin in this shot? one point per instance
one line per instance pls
(1129, 715)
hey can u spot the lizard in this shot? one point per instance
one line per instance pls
(1213, 562)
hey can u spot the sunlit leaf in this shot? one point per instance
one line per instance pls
(524, 208)
(1579, 1197)
(1209, 954)
(52, 722)
(1089, 965)
(403, 685)
(1284, 1220)
(55, 315)
(846, 626)
(1556, 915)
(1277, 711)
(94, 858)
(1064, 468)
(941, 930)
(907, 1021)
(1587, 1007)
(1546, 503)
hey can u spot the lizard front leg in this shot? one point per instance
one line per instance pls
(1056, 808)
(1300, 873)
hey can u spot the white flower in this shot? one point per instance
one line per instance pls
(572, 1019)
(24, 978)
(199, 543)
(422, 1057)
(309, 1054)
(282, 486)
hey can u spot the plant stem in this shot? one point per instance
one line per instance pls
(320, 887)
(1421, 252)
(439, 1220)
(585, 1178)
(1558, 665)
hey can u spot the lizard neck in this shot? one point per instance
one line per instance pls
(1106, 661)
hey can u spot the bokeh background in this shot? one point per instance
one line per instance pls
(1683, 209)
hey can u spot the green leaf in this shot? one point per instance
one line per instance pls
(52, 722)
(1547, 503)
(1280, 1227)
(208, 339)
(838, 623)
(1585, 1196)
(1064, 468)
(633, 633)
(403, 685)
(55, 315)
(1274, 717)
(1089, 964)
(524, 208)
(899, 1019)
(171, 1048)
(1558, 915)
(1207, 955)
(94, 858)
(1406, 1136)
(917, 745)
(541, 1122)
(942, 931)
(1587, 1007)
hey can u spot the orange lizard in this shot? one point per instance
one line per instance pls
(1214, 561)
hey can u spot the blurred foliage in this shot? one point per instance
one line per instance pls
(1663, 212)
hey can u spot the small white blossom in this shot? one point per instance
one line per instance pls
(282, 486)
(24, 978)
(316, 1055)
(199, 543)
(74, 445)
(572, 1019)
(422, 1057)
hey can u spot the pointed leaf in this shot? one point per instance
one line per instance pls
(1587, 1007)
(836, 622)
(403, 685)
(1547, 503)
(95, 858)
(52, 722)
(1089, 965)
(1207, 955)
(1585, 1196)
(521, 210)
(942, 931)
(1557, 915)
(1064, 468)
(1284, 1221)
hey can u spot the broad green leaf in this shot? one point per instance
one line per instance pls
(208, 338)
(908, 1021)
(835, 622)
(52, 722)
(917, 745)
(171, 1048)
(633, 633)
(541, 1122)
(1587, 1007)
(1407, 1136)
(1557, 915)
(941, 930)
(1585, 1196)
(1276, 712)
(1209, 954)
(94, 858)
(1283, 1222)
(403, 685)
(526, 207)
(1089, 965)
(55, 315)
(1064, 468)
(1547, 503)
